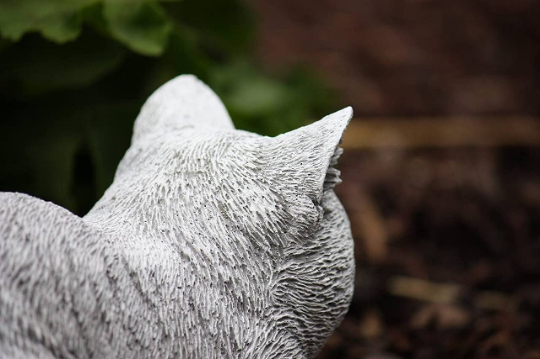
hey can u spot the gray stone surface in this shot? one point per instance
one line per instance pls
(211, 242)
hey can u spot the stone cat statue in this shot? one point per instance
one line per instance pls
(211, 243)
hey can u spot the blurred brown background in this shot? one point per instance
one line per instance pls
(413, 57)
(441, 169)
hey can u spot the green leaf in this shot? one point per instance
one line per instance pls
(57, 20)
(254, 95)
(62, 28)
(142, 26)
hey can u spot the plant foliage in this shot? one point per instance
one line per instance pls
(76, 72)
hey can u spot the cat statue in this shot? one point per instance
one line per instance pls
(211, 243)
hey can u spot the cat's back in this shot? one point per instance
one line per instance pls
(52, 266)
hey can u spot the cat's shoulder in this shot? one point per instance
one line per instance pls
(21, 204)
(22, 213)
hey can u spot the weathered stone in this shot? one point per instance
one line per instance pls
(211, 242)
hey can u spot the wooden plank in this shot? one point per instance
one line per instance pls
(368, 223)
(364, 133)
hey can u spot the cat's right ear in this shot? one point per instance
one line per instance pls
(183, 102)
(303, 159)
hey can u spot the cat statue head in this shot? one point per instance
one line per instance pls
(226, 243)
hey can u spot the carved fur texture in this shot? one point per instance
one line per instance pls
(211, 243)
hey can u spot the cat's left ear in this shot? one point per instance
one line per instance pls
(181, 103)
(305, 156)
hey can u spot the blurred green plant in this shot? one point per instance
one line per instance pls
(76, 72)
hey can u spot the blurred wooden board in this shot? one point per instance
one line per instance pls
(374, 133)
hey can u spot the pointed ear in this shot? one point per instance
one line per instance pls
(182, 102)
(305, 156)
